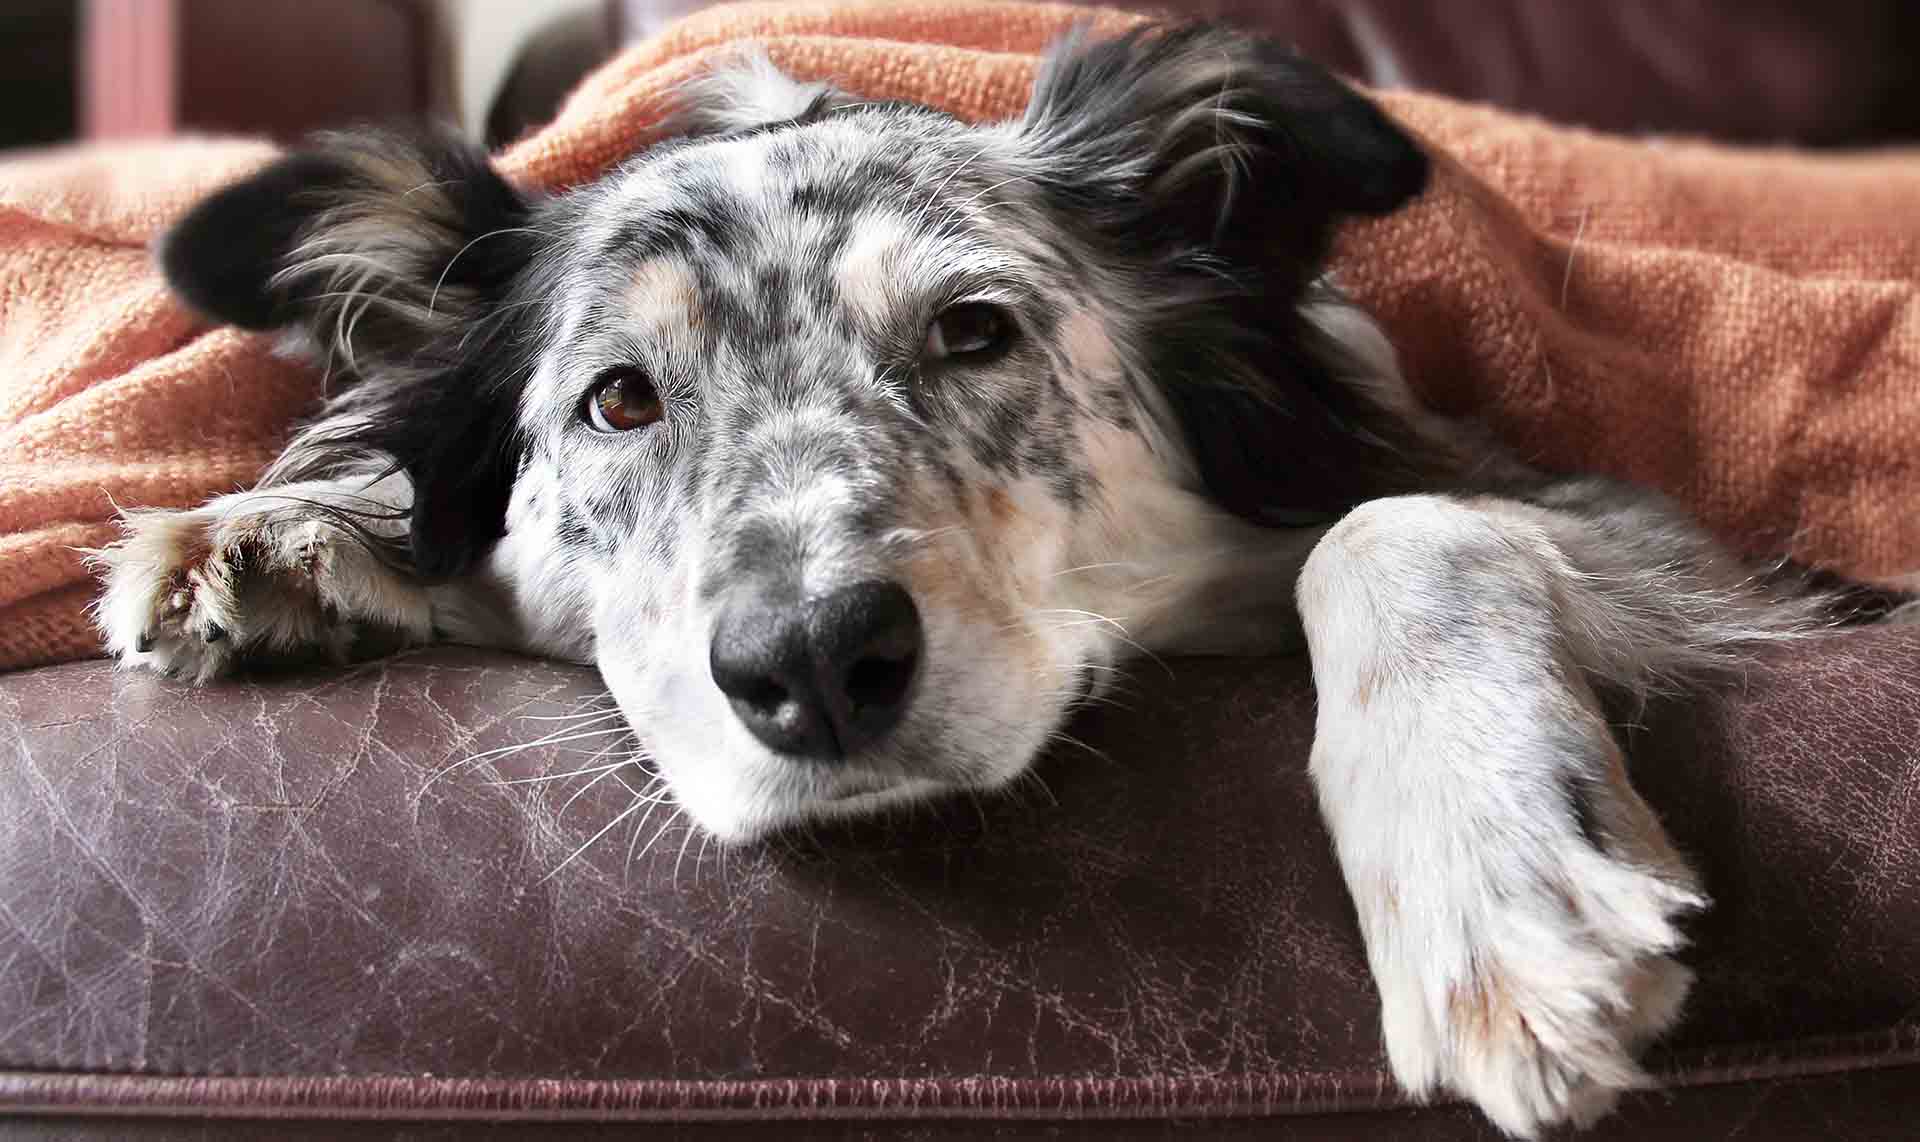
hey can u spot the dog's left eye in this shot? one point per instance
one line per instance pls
(622, 400)
(972, 331)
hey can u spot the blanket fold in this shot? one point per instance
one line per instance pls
(1736, 327)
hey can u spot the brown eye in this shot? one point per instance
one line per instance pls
(972, 331)
(622, 400)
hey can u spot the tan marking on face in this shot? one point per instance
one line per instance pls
(999, 507)
(1123, 465)
(1021, 531)
(870, 270)
(937, 571)
(664, 290)
(1118, 459)
(955, 590)
(963, 574)
(941, 583)
(1087, 346)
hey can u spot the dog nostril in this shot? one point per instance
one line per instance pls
(877, 681)
(868, 639)
(759, 660)
(765, 695)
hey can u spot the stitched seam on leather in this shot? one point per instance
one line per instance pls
(382, 1097)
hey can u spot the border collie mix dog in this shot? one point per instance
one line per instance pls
(855, 443)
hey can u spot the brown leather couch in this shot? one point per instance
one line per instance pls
(292, 903)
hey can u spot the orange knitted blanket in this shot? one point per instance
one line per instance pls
(1738, 328)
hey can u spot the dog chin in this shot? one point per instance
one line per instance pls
(863, 796)
(748, 804)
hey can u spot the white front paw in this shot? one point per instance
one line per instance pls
(192, 593)
(1528, 979)
(169, 598)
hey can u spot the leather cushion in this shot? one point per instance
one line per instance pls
(296, 878)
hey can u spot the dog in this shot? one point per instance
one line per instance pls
(856, 445)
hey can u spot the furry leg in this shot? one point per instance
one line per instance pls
(1517, 897)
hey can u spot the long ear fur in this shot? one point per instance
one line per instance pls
(1211, 137)
(1216, 166)
(397, 255)
(746, 93)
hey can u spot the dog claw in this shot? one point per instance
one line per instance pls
(144, 643)
(215, 632)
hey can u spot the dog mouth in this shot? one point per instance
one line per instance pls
(853, 788)
(859, 798)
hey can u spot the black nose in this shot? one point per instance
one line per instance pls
(822, 677)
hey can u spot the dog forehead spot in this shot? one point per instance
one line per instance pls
(664, 288)
(869, 270)
(743, 168)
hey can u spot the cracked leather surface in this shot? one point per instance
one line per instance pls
(283, 877)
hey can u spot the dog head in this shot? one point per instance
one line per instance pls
(854, 442)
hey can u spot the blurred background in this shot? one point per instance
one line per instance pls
(104, 69)
(1832, 73)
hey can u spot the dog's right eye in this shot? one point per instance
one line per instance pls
(622, 400)
(972, 331)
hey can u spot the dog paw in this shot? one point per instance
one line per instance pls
(1531, 988)
(168, 597)
(193, 593)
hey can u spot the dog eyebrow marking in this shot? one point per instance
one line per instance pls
(892, 263)
(665, 290)
(870, 268)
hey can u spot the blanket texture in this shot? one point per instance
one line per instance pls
(1738, 328)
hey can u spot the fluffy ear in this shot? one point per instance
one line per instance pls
(1217, 165)
(394, 254)
(1206, 137)
(746, 93)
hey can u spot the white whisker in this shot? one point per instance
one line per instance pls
(604, 830)
(434, 296)
(594, 715)
(559, 737)
(546, 777)
(578, 793)
(682, 856)
(673, 817)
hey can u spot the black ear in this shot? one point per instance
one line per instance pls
(395, 253)
(222, 257)
(1199, 135)
(1211, 167)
